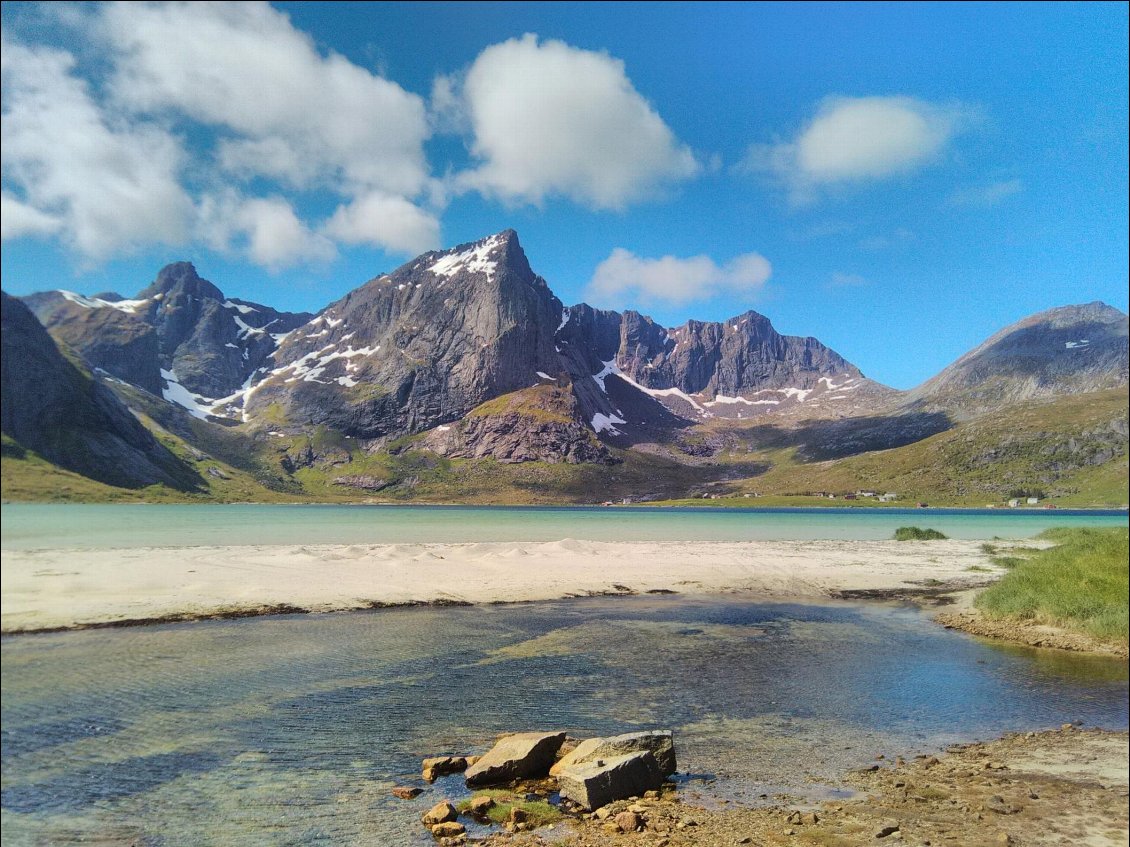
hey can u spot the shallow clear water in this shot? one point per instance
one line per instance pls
(28, 526)
(291, 730)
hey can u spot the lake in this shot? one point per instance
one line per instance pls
(35, 526)
(292, 730)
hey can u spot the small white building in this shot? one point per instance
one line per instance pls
(1014, 503)
(1033, 501)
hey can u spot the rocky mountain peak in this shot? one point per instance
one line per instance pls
(180, 278)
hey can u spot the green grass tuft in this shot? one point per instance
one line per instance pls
(538, 812)
(1080, 584)
(914, 533)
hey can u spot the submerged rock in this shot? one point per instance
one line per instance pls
(438, 766)
(405, 792)
(600, 782)
(519, 756)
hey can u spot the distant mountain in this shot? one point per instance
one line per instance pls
(180, 337)
(51, 407)
(466, 354)
(450, 330)
(417, 347)
(1059, 352)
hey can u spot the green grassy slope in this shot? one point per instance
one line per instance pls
(1074, 449)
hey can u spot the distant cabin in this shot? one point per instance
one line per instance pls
(1014, 503)
(1032, 501)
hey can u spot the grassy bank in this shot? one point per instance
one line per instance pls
(1080, 584)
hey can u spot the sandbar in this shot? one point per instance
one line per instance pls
(74, 588)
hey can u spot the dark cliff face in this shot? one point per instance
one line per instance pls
(701, 369)
(51, 407)
(1062, 351)
(107, 335)
(180, 324)
(742, 354)
(420, 346)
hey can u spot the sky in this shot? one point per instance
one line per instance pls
(899, 180)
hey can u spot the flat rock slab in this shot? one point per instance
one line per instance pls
(660, 743)
(600, 782)
(524, 755)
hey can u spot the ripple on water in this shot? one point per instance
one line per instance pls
(293, 730)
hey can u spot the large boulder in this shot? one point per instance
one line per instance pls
(523, 755)
(442, 812)
(659, 743)
(602, 781)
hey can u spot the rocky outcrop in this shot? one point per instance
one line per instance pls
(596, 783)
(419, 347)
(535, 425)
(52, 407)
(660, 743)
(522, 755)
(1063, 351)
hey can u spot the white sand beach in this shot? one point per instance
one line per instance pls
(60, 588)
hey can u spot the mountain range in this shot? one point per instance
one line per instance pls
(463, 361)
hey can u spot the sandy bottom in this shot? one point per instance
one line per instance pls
(46, 589)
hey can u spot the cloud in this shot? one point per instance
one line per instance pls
(18, 219)
(200, 107)
(548, 119)
(385, 220)
(243, 66)
(853, 140)
(846, 280)
(266, 230)
(625, 278)
(889, 241)
(986, 195)
(110, 187)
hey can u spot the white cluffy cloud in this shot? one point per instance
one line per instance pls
(625, 278)
(108, 169)
(548, 119)
(859, 139)
(105, 186)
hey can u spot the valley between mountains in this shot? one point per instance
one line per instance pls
(460, 376)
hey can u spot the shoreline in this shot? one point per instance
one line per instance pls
(61, 589)
(1069, 784)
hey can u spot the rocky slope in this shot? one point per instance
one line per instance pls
(51, 407)
(179, 338)
(418, 347)
(423, 346)
(1062, 351)
(469, 351)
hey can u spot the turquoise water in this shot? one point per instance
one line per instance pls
(291, 730)
(26, 526)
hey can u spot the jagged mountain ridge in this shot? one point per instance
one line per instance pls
(179, 337)
(423, 346)
(418, 347)
(51, 407)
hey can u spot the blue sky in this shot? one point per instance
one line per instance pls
(899, 180)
